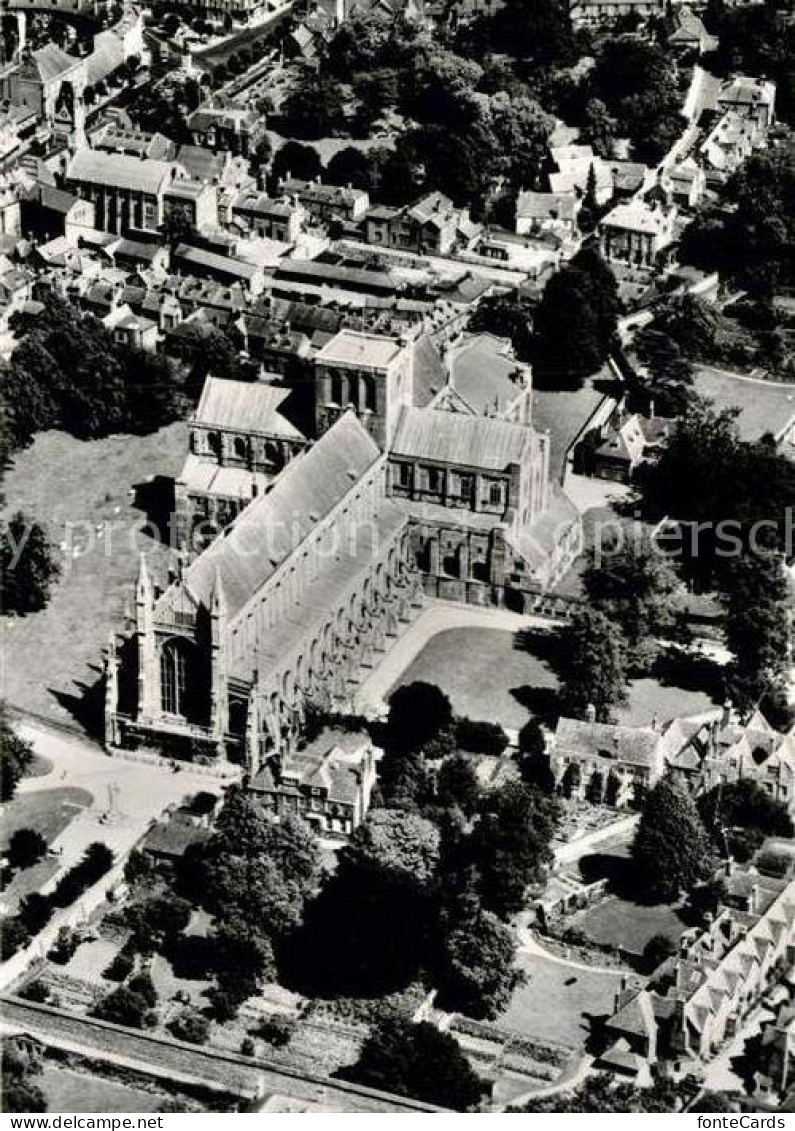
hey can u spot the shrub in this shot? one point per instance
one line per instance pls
(192, 1027)
(34, 991)
(123, 1006)
(25, 848)
(35, 912)
(66, 943)
(480, 737)
(119, 967)
(247, 1047)
(277, 1031)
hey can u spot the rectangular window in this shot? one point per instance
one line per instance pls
(434, 479)
(404, 474)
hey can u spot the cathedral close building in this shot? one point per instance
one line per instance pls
(302, 557)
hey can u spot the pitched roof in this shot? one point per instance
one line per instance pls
(244, 406)
(271, 528)
(637, 745)
(119, 170)
(464, 441)
(485, 373)
(51, 61)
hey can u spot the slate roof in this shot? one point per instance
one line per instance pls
(636, 745)
(352, 347)
(463, 441)
(119, 170)
(484, 373)
(270, 529)
(51, 62)
(243, 406)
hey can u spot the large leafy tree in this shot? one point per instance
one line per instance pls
(418, 713)
(68, 372)
(757, 629)
(671, 850)
(509, 846)
(575, 323)
(636, 586)
(477, 974)
(506, 317)
(593, 665)
(416, 1060)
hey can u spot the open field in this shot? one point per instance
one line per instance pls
(83, 493)
(558, 1001)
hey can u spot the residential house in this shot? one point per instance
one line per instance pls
(538, 212)
(430, 226)
(329, 783)
(281, 220)
(637, 233)
(327, 203)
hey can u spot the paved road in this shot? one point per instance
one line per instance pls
(127, 795)
(189, 1064)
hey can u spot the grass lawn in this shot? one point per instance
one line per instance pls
(83, 493)
(558, 1001)
(621, 922)
(79, 1091)
(48, 811)
(483, 672)
(650, 697)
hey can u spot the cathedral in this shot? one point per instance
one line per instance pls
(304, 548)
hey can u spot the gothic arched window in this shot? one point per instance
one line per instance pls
(241, 447)
(174, 666)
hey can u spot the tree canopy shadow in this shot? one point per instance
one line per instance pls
(690, 672)
(543, 703)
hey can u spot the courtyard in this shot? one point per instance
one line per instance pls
(496, 665)
(83, 493)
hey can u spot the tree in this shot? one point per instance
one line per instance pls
(575, 322)
(757, 627)
(17, 756)
(416, 1060)
(509, 846)
(477, 974)
(190, 1026)
(394, 843)
(538, 34)
(656, 950)
(744, 804)
(315, 109)
(418, 712)
(28, 567)
(457, 785)
(20, 1093)
(506, 317)
(593, 666)
(599, 128)
(671, 850)
(25, 848)
(369, 930)
(635, 586)
(123, 1006)
(295, 160)
(350, 167)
